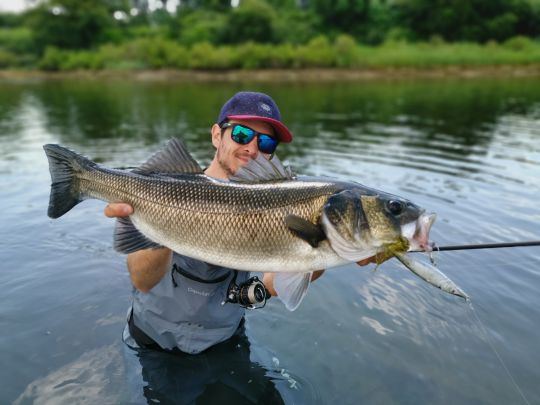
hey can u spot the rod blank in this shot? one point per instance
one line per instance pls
(486, 246)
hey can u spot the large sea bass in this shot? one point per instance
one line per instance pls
(265, 219)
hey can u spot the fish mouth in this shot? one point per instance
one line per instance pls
(419, 240)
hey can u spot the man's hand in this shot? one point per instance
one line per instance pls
(115, 210)
(379, 258)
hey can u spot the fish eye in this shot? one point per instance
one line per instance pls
(394, 207)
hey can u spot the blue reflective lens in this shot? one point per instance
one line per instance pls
(267, 144)
(244, 135)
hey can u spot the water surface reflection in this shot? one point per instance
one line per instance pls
(468, 150)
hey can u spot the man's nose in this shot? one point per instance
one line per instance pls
(252, 148)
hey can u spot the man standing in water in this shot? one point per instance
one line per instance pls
(177, 302)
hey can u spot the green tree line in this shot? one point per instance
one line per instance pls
(95, 34)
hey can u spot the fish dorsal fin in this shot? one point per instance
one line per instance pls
(261, 169)
(174, 158)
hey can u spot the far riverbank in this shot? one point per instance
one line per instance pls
(283, 75)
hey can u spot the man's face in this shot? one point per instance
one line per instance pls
(231, 155)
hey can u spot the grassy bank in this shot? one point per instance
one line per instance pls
(280, 75)
(343, 53)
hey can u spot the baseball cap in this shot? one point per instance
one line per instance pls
(250, 105)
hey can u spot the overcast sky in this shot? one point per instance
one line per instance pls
(19, 5)
(12, 5)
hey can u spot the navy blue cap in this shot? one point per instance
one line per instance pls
(249, 105)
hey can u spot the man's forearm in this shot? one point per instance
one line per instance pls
(147, 267)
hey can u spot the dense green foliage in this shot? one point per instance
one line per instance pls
(344, 52)
(212, 34)
(70, 24)
(470, 20)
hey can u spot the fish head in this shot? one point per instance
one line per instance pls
(387, 211)
(360, 224)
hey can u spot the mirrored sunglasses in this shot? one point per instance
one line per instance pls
(244, 135)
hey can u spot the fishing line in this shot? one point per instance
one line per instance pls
(492, 346)
(484, 331)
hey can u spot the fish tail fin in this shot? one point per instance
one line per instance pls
(64, 166)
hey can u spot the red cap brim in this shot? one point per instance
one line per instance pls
(282, 132)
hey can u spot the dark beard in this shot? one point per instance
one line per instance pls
(224, 166)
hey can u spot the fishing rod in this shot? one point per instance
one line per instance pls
(485, 246)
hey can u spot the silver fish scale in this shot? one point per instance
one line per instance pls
(231, 224)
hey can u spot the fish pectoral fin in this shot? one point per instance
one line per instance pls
(174, 158)
(128, 239)
(353, 249)
(311, 233)
(291, 288)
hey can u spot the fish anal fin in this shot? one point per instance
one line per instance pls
(311, 233)
(128, 239)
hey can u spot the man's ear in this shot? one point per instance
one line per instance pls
(216, 135)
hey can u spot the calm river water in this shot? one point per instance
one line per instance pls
(466, 149)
